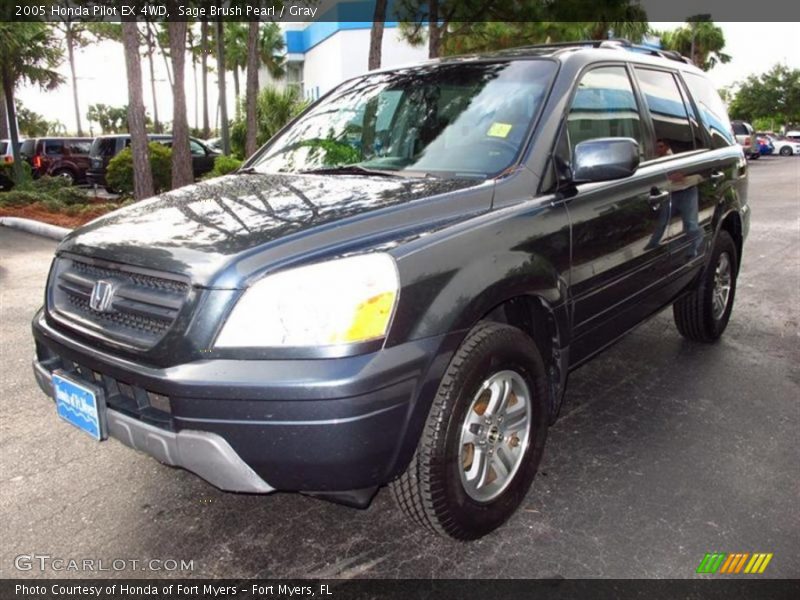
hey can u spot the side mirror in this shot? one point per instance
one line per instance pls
(604, 159)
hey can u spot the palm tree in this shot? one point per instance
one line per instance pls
(252, 88)
(142, 173)
(31, 53)
(236, 35)
(376, 35)
(204, 50)
(223, 103)
(270, 48)
(181, 155)
(700, 39)
(74, 36)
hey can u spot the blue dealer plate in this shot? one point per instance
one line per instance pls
(79, 405)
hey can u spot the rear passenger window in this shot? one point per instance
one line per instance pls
(54, 147)
(79, 147)
(604, 106)
(712, 110)
(671, 122)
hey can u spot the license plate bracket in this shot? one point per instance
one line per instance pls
(80, 404)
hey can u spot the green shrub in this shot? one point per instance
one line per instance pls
(7, 171)
(71, 196)
(119, 175)
(53, 205)
(49, 185)
(17, 197)
(274, 109)
(222, 166)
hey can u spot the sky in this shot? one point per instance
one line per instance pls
(100, 69)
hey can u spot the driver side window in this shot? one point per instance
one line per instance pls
(604, 106)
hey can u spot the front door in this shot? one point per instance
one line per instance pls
(619, 254)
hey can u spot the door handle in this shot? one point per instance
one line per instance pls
(657, 197)
(717, 176)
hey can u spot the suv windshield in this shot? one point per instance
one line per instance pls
(447, 119)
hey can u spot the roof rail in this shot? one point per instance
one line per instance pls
(628, 45)
(616, 43)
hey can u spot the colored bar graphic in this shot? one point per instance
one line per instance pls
(725, 563)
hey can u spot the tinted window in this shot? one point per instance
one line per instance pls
(54, 147)
(104, 147)
(196, 149)
(740, 128)
(3, 147)
(26, 149)
(712, 110)
(671, 122)
(78, 146)
(604, 106)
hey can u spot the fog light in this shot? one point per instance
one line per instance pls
(159, 402)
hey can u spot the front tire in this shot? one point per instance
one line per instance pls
(786, 151)
(483, 439)
(703, 314)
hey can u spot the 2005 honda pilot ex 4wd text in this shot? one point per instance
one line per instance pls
(394, 288)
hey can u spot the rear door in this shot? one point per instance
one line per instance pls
(682, 150)
(619, 254)
(202, 161)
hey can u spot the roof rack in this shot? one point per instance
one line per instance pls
(616, 43)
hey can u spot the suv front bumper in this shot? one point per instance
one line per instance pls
(257, 425)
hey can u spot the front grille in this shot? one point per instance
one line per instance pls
(142, 308)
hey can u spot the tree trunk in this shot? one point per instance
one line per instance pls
(251, 138)
(3, 114)
(204, 78)
(181, 155)
(71, 55)
(434, 30)
(11, 111)
(142, 173)
(223, 102)
(236, 84)
(376, 35)
(151, 48)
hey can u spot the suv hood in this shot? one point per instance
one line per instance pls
(261, 221)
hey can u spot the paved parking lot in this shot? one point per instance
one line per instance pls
(665, 451)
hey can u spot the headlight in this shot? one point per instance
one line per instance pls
(336, 302)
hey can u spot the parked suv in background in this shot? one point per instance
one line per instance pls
(106, 147)
(394, 289)
(65, 157)
(6, 161)
(747, 139)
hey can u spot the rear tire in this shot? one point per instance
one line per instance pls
(483, 439)
(786, 151)
(703, 314)
(66, 175)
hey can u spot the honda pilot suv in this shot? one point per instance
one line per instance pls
(394, 289)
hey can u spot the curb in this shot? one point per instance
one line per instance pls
(36, 227)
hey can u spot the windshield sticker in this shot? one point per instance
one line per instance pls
(500, 130)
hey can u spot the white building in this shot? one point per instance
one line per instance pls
(322, 54)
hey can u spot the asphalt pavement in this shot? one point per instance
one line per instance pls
(665, 450)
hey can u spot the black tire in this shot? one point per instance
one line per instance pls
(431, 492)
(111, 190)
(755, 156)
(65, 174)
(786, 151)
(694, 313)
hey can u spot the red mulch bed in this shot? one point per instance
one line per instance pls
(39, 213)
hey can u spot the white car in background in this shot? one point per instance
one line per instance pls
(785, 146)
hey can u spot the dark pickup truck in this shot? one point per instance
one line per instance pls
(394, 289)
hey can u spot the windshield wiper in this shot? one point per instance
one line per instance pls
(350, 170)
(248, 171)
